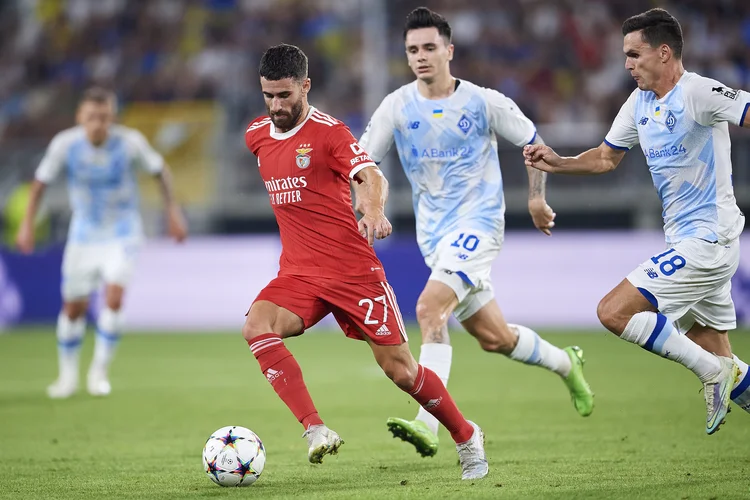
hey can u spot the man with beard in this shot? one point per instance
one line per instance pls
(327, 264)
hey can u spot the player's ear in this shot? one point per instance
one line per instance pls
(306, 84)
(664, 52)
(450, 51)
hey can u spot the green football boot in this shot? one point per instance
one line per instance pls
(415, 432)
(580, 392)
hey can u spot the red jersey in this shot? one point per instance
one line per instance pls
(306, 172)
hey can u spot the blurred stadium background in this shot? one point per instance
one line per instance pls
(185, 72)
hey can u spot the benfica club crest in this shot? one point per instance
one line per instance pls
(303, 156)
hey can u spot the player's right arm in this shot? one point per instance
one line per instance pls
(376, 140)
(592, 162)
(621, 137)
(49, 168)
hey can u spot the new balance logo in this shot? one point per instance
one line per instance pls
(272, 374)
(643, 121)
(433, 403)
(651, 273)
(383, 331)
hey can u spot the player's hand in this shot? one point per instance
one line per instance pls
(25, 238)
(541, 157)
(542, 215)
(176, 223)
(374, 227)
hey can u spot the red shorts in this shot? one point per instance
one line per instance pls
(359, 308)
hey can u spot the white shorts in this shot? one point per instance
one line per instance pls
(691, 283)
(463, 260)
(85, 266)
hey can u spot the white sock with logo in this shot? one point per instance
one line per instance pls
(436, 357)
(108, 329)
(531, 349)
(655, 333)
(69, 339)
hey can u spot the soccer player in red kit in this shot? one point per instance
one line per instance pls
(327, 265)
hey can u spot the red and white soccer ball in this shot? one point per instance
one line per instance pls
(234, 456)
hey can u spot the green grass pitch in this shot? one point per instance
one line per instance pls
(645, 439)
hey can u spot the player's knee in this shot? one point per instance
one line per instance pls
(114, 303)
(400, 373)
(497, 343)
(610, 316)
(253, 328)
(428, 318)
(74, 310)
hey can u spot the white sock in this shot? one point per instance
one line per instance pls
(436, 357)
(655, 333)
(108, 329)
(741, 390)
(531, 349)
(69, 339)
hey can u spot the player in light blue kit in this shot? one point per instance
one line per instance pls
(99, 160)
(445, 131)
(680, 121)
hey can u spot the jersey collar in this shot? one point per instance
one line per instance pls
(280, 136)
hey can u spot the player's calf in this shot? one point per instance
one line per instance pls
(69, 338)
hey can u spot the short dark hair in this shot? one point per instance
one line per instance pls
(657, 27)
(283, 61)
(99, 95)
(422, 17)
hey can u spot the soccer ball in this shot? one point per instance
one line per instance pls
(234, 456)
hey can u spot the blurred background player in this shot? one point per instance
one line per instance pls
(680, 120)
(445, 131)
(306, 159)
(100, 160)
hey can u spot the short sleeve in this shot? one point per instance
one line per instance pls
(378, 136)
(348, 156)
(146, 157)
(710, 102)
(53, 161)
(623, 133)
(507, 120)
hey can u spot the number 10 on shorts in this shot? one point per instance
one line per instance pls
(669, 266)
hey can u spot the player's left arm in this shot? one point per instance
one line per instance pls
(711, 102)
(373, 193)
(541, 214)
(509, 122)
(152, 162)
(351, 160)
(175, 220)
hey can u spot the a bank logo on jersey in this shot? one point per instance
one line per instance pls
(671, 121)
(303, 156)
(464, 124)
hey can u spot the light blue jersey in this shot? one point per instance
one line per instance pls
(685, 139)
(102, 183)
(448, 151)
